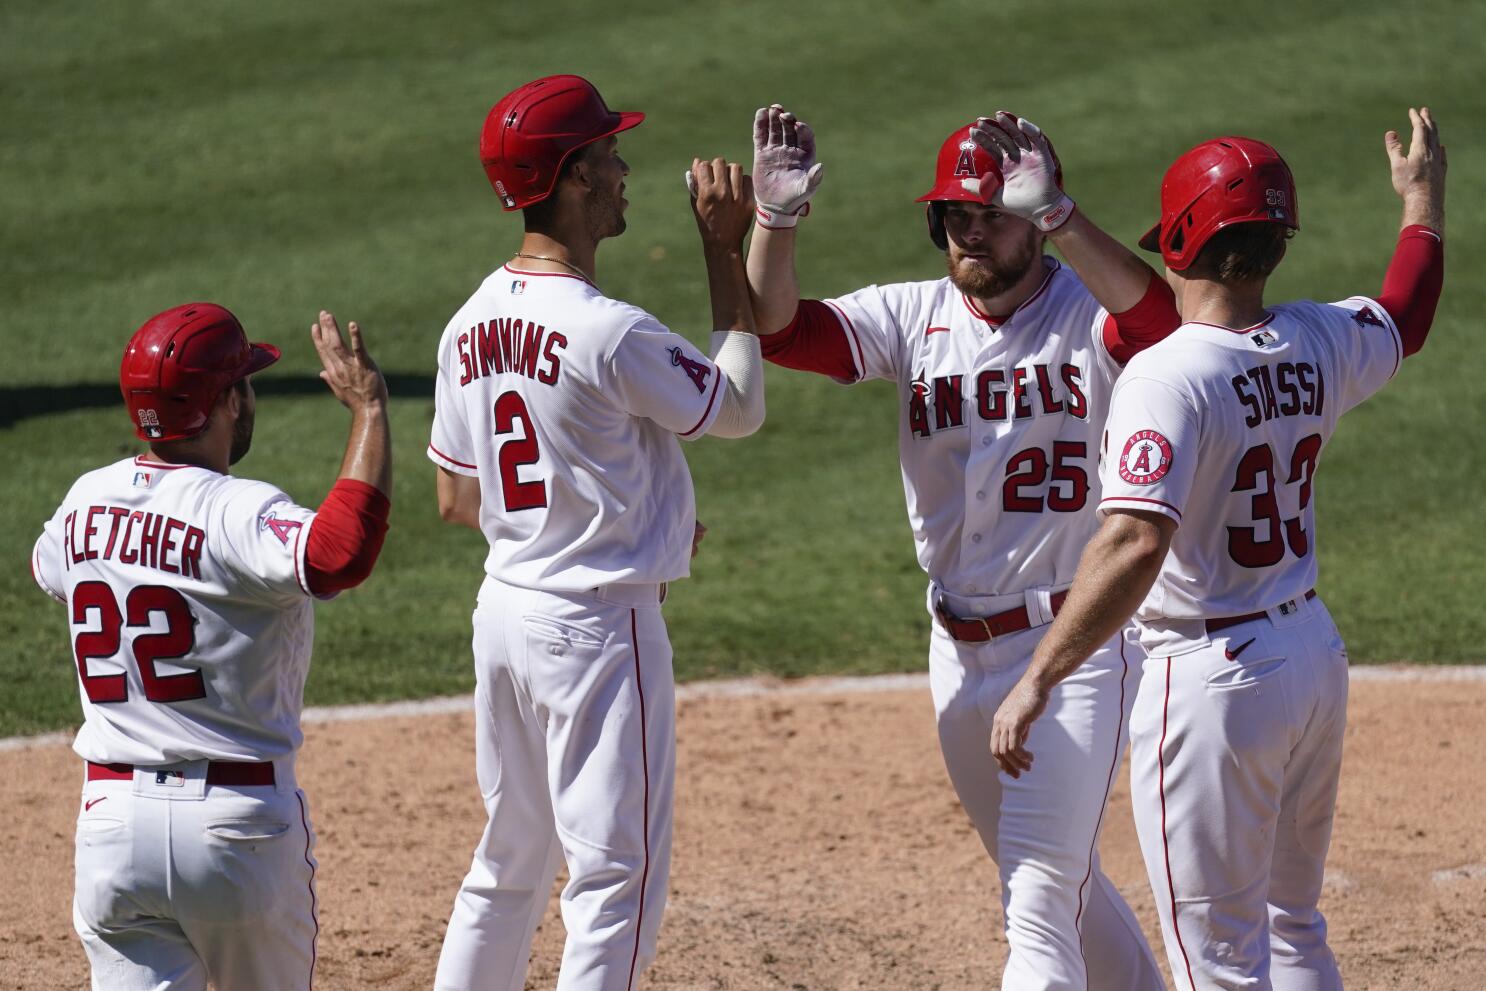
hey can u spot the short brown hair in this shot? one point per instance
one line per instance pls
(1242, 252)
(539, 217)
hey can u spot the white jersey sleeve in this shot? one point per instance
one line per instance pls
(262, 537)
(47, 567)
(1151, 446)
(663, 377)
(868, 319)
(450, 445)
(1367, 349)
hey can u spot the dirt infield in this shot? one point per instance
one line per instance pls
(819, 846)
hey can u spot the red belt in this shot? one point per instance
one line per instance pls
(1214, 625)
(985, 628)
(218, 772)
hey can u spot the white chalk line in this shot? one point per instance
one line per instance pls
(743, 688)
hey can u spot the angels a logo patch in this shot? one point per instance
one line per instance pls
(695, 370)
(281, 528)
(1147, 458)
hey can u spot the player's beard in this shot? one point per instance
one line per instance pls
(242, 437)
(604, 210)
(996, 275)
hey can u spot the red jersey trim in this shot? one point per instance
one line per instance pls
(706, 414)
(304, 820)
(36, 575)
(452, 461)
(549, 275)
(1241, 330)
(998, 322)
(1165, 835)
(634, 634)
(858, 359)
(1392, 323)
(161, 465)
(1154, 502)
(299, 546)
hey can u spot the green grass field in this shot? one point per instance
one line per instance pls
(279, 157)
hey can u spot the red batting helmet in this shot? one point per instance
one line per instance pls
(1219, 183)
(534, 128)
(179, 362)
(964, 171)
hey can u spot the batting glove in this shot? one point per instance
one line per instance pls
(1029, 172)
(785, 172)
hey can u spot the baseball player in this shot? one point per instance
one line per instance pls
(1209, 537)
(557, 417)
(1004, 370)
(188, 593)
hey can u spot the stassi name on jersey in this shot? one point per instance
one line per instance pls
(510, 346)
(1024, 392)
(149, 540)
(1290, 389)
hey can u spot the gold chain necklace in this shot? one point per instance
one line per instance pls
(567, 265)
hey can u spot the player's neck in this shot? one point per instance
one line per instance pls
(189, 453)
(561, 255)
(1235, 306)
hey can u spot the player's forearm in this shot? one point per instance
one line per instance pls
(459, 498)
(1113, 273)
(727, 283)
(741, 360)
(772, 280)
(1118, 568)
(368, 455)
(1425, 208)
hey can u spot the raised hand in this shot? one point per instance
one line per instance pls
(1419, 173)
(785, 172)
(722, 200)
(350, 372)
(1029, 170)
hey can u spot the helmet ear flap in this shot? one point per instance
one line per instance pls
(934, 213)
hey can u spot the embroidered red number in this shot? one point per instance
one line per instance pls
(178, 640)
(103, 642)
(1069, 490)
(516, 452)
(1243, 543)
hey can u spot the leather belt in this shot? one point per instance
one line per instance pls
(982, 629)
(1214, 625)
(218, 772)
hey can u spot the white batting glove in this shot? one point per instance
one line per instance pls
(785, 172)
(1029, 172)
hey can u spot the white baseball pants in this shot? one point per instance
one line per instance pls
(575, 748)
(1234, 771)
(1067, 927)
(180, 882)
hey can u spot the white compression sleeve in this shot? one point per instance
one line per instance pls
(739, 356)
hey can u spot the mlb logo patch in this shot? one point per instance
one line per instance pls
(170, 779)
(142, 479)
(1264, 338)
(518, 286)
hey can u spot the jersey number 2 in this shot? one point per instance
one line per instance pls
(178, 640)
(516, 452)
(1243, 544)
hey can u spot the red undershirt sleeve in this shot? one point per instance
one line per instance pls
(813, 341)
(346, 536)
(1411, 289)
(1146, 323)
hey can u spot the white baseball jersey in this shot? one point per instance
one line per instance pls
(1000, 428)
(1222, 430)
(566, 405)
(191, 621)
